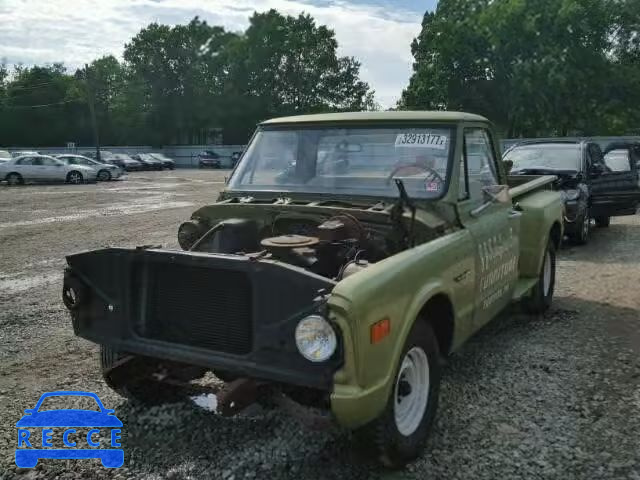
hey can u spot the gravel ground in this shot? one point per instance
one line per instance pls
(552, 397)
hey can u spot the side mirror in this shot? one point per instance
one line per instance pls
(508, 165)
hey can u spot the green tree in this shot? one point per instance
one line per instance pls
(182, 76)
(42, 106)
(534, 67)
(286, 65)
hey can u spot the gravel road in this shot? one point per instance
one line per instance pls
(553, 397)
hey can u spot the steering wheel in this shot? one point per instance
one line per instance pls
(433, 174)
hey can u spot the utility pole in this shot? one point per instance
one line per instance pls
(92, 110)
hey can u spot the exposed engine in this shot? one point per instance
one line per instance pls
(335, 248)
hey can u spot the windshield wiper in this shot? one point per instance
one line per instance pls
(404, 201)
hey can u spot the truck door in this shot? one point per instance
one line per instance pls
(615, 187)
(487, 212)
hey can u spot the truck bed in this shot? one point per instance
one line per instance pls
(519, 185)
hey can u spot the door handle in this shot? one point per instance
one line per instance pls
(514, 214)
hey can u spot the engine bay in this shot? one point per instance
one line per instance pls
(335, 247)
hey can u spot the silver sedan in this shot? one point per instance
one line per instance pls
(105, 171)
(43, 168)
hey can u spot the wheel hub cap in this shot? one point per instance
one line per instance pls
(411, 391)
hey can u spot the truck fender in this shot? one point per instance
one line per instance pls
(411, 316)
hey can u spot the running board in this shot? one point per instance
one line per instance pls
(523, 287)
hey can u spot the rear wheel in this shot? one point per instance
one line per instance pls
(74, 177)
(14, 179)
(542, 294)
(603, 222)
(398, 435)
(104, 175)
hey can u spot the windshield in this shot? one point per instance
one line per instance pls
(545, 156)
(350, 161)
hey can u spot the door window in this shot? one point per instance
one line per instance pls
(618, 160)
(48, 162)
(25, 161)
(480, 162)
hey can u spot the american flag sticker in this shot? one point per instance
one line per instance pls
(433, 186)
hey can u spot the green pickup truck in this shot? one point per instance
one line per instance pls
(348, 255)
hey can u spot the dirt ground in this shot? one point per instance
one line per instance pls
(555, 397)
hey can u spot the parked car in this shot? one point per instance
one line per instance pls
(590, 188)
(148, 162)
(105, 157)
(211, 159)
(104, 171)
(5, 156)
(127, 163)
(20, 153)
(166, 161)
(380, 272)
(43, 168)
(235, 157)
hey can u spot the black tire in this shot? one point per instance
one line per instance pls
(603, 222)
(14, 179)
(75, 177)
(542, 294)
(104, 175)
(139, 391)
(581, 235)
(382, 438)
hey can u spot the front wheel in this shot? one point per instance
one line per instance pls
(581, 235)
(14, 179)
(603, 222)
(542, 294)
(398, 435)
(74, 178)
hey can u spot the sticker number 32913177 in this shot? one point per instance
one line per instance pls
(422, 140)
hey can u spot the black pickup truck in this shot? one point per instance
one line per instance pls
(594, 185)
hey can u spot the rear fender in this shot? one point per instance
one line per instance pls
(540, 212)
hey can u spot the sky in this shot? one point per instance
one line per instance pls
(377, 32)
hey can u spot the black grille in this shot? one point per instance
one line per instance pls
(201, 307)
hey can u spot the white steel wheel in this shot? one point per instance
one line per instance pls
(546, 275)
(411, 391)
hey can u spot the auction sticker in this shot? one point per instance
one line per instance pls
(422, 140)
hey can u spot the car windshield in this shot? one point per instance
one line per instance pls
(545, 156)
(121, 156)
(351, 161)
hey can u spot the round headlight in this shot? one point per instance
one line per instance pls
(315, 338)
